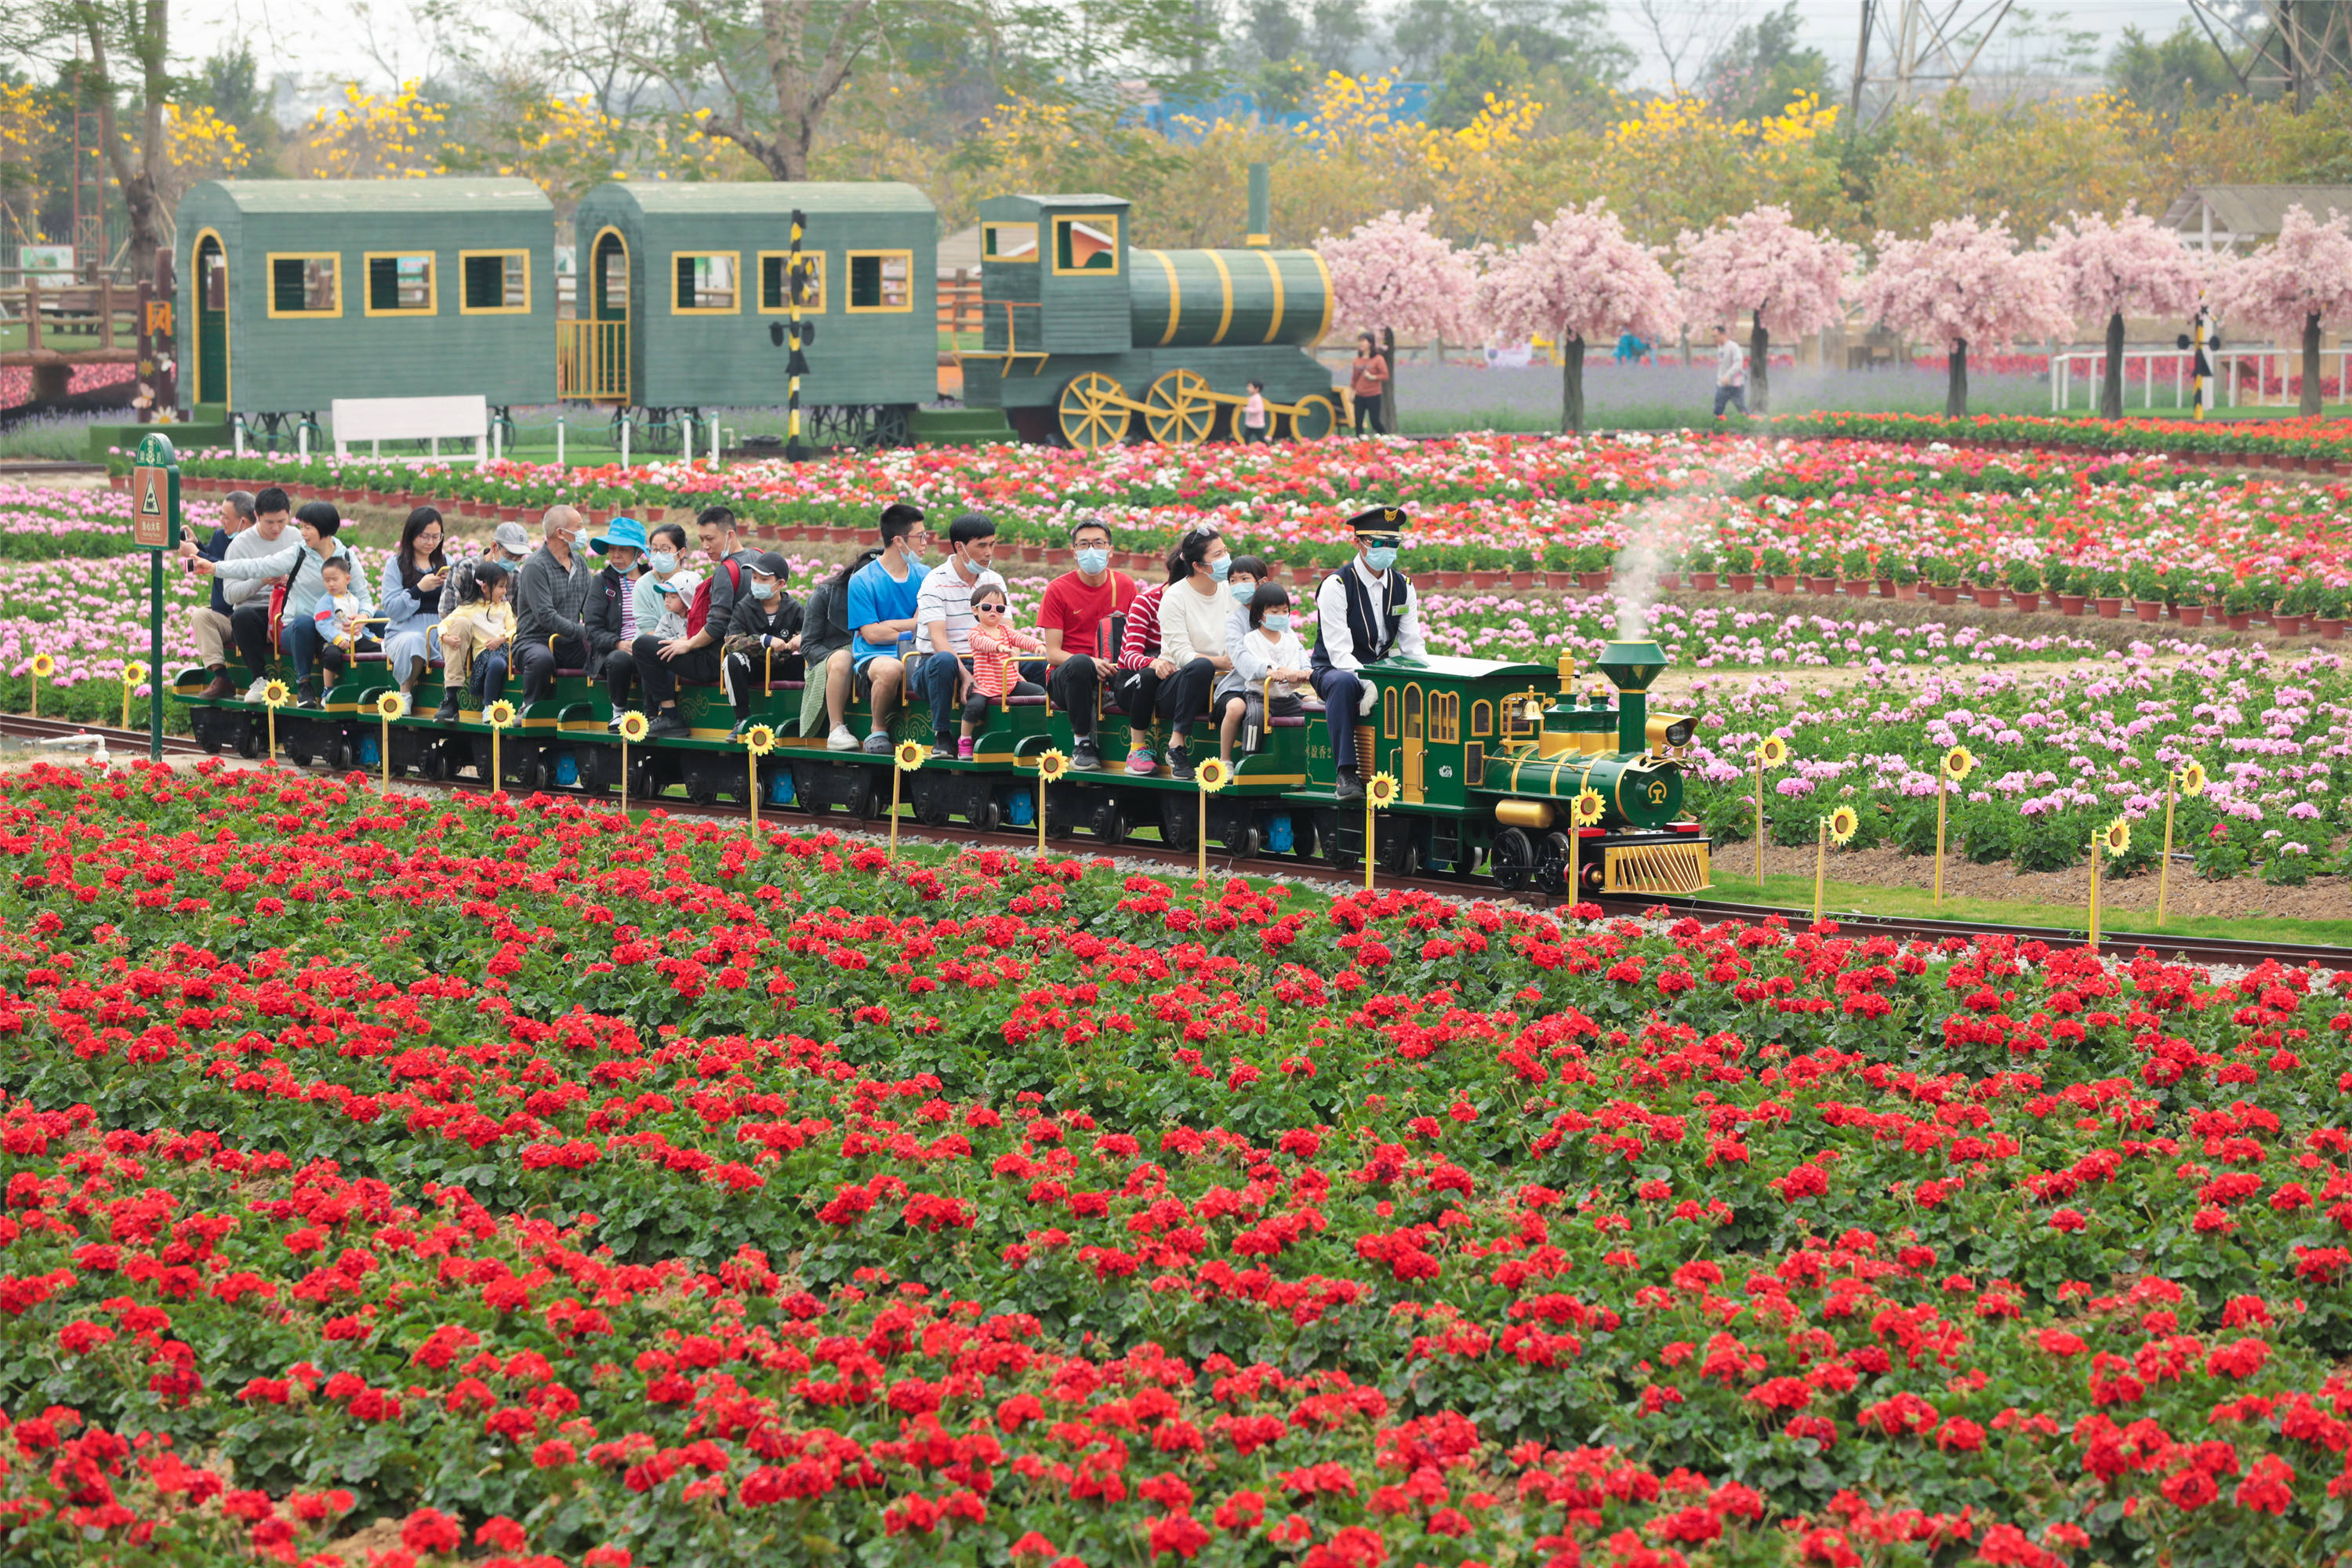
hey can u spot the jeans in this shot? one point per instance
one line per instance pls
(301, 641)
(620, 677)
(1254, 434)
(490, 681)
(1728, 396)
(1176, 701)
(661, 675)
(1340, 690)
(976, 706)
(536, 663)
(1367, 413)
(1076, 687)
(939, 678)
(250, 625)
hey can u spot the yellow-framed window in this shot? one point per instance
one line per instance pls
(1445, 726)
(705, 282)
(1085, 242)
(774, 300)
(1390, 709)
(1008, 241)
(494, 282)
(1482, 718)
(881, 280)
(306, 283)
(402, 283)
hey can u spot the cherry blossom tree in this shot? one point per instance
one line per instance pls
(1965, 283)
(1579, 277)
(1395, 273)
(2291, 285)
(2133, 265)
(1786, 280)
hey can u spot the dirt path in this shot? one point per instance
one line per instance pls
(2321, 898)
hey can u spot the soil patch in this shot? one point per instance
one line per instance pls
(2321, 898)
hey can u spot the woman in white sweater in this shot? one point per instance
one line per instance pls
(1269, 673)
(1193, 610)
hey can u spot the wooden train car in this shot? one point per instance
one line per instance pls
(1092, 341)
(680, 284)
(295, 292)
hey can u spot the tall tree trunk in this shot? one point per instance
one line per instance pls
(1956, 396)
(1759, 365)
(1571, 383)
(2111, 383)
(2310, 405)
(1388, 420)
(147, 40)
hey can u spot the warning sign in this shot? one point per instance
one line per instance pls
(151, 508)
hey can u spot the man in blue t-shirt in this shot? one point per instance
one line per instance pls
(881, 611)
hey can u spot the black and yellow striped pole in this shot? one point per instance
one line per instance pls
(799, 333)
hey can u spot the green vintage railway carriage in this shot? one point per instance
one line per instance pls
(680, 284)
(294, 292)
(1090, 340)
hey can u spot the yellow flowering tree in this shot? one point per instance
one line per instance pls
(198, 144)
(396, 137)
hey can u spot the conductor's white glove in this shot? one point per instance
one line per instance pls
(1370, 698)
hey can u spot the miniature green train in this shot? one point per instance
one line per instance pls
(1488, 768)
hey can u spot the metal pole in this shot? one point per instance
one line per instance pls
(625, 423)
(155, 654)
(559, 440)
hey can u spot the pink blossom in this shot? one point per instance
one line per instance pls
(1761, 264)
(1395, 272)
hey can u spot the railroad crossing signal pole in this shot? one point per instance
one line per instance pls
(155, 528)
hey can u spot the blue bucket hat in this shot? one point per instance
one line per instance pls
(626, 531)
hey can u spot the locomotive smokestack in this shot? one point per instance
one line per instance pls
(1261, 208)
(1631, 666)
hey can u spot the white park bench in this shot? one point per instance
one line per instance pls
(376, 420)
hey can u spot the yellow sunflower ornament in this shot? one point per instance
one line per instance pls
(1843, 825)
(497, 716)
(387, 705)
(1838, 827)
(2116, 838)
(1588, 808)
(1380, 794)
(2192, 779)
(1053, 765)
(634, 728)
(905, 759)
(1211, 776)
(275, 695)
(2108, 844)
(1773, 752)
(1959, 763)
(133, 674)
(757, 742)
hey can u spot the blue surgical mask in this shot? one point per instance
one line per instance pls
(1221, 566)
(1244, 593)
(765, 587)
(1278, 622)
(1380, 557)
(663, 562)
(1093, 561)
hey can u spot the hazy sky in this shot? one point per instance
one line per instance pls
(318, 39)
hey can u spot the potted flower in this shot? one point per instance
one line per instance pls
(1820, 571)
(2335, 604)
(1739, 564)
(2188, 596)
(1855, 566)
(1702, 564)
(2025, 585)
(1781, 569)
(2146, 586)
(2296, 604)
(2107, 594)
(1943, 579)
(1670, 570)
(1904, 581)
(1592, 566)
(2238, 607)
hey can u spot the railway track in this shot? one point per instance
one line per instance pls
(2210, 951)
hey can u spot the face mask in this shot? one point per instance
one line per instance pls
(1380, 558)
(762, 588)
(1244, 592)
(663, 562)
(1094, 561)
(1278, 622)
(1221, 567)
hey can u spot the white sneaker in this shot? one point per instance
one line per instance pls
(841, 740)
(404, 705)
(255, 692)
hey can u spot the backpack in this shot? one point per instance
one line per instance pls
(697, 613)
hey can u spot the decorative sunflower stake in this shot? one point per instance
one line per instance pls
(133, 674)
(273, 696)
(43, 668)
(1208, 778)
(904, 760)
(635, 727)
(387, 709)
(1839, 828)
(1380, 794)
(757, 742)
(2189, 780)
(497, 716)
(1051, 766)
(1771, 754)
(1956, 766)
(2109, 843)
(1585, 811)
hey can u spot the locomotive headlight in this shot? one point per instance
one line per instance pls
(1670, 730)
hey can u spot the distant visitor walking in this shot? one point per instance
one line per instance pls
(1731, 374)
(1366, 379)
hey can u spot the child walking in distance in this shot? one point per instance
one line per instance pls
(996, 645)
(1269, 673)
(1254, 420)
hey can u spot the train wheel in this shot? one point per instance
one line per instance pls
(1316, 417)
(1326, 840)
(1179, 410)
(250, 741)
(1512, 859)
(1551, 863)
(1399, 849)
(1108, 822)
(1178, 830)
(1094, 412)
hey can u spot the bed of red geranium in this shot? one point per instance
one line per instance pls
(434, 1178)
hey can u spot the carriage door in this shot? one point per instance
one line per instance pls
(604, 351)
(1414, 727)
(212, 320)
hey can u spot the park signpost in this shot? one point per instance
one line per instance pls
(155, 528)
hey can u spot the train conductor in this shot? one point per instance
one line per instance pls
(1364, 612)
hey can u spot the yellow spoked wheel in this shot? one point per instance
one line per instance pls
(1094, 412)
(1179, 410)
(1312, 417)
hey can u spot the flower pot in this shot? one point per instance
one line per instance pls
(1944, 596)
(2072, 604)
(118, 482)
(1670, 581)
(2149, 611)
(1449, 579)
(2027, 603)
(2286, 625)
(1857, 588)
(1743, 582)
(1484, 579)
(1784, 584)
(1908, 593)
(2238, 623)
(2330, 627)
(1887, 587)
(2111, 609)
(2192, 614)
(1704, 581)
(1593, 581)
(1820, 584)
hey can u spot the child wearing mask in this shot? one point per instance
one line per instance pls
(1242, 580)
(997, 646)
(763, 634)
(1269, 672)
